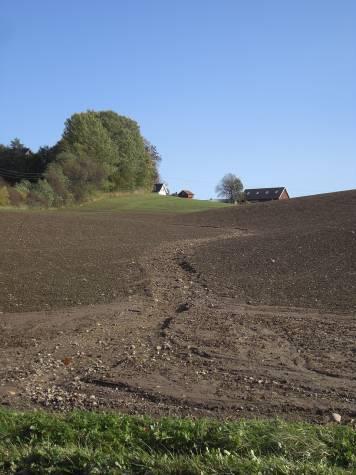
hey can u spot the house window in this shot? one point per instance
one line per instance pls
(257, 192)
(267, 192)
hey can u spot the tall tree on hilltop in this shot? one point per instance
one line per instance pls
(116, 142)
(135, 167)
(155, 157)
(230, 188)
(85, 136)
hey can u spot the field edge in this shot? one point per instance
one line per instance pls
(89, 442)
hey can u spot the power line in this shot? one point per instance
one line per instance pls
(17, 174)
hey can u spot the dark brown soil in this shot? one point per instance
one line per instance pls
(248, 311)
(55, 259)
(301, 267)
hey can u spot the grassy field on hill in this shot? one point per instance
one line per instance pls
(92, 443)
(136, 202)
(150, 202)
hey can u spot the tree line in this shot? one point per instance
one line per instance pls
(98, 151)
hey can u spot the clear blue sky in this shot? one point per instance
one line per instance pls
(265, 89)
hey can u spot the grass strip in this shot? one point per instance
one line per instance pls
(149, 202)
(98, 443)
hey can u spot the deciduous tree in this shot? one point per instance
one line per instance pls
(230, 188)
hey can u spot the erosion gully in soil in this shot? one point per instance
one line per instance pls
(246, 311)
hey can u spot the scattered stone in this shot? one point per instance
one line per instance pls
(336, 417)
(183, 307)
(66, 361)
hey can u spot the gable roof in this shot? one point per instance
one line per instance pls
(260, 194)
(187, 192)
(158, 187)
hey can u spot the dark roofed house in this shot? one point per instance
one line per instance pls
(266, 194)
(186, 194)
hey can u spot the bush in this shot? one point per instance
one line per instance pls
(23, 188)
(60, 185)
(4, 196)
(84, 175)
(16, 198)
(41, 195)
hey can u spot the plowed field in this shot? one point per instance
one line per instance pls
(243, 311)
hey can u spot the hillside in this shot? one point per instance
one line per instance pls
(150, 202)
(316, 211)
(245, 311)
(299, 252)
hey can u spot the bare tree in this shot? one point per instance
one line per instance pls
(230, 188)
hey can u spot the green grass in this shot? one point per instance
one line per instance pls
(149, 202)
(140, 202)
(92, 443)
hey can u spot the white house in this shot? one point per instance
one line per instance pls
(161, 189)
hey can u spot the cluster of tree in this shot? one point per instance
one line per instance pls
(98, 151)
(230, 188)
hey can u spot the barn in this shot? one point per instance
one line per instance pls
(161, 189)
(266, 194)
(186, 194)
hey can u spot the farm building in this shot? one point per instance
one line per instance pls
(186, 194)
(161, 189)
(266, 194)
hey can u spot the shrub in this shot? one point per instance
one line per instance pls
(84, 175)
(16, 197)
(24, 188)
(59, 183)
(41, 195)
(4, 196)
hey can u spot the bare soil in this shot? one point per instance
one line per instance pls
(248, 311)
